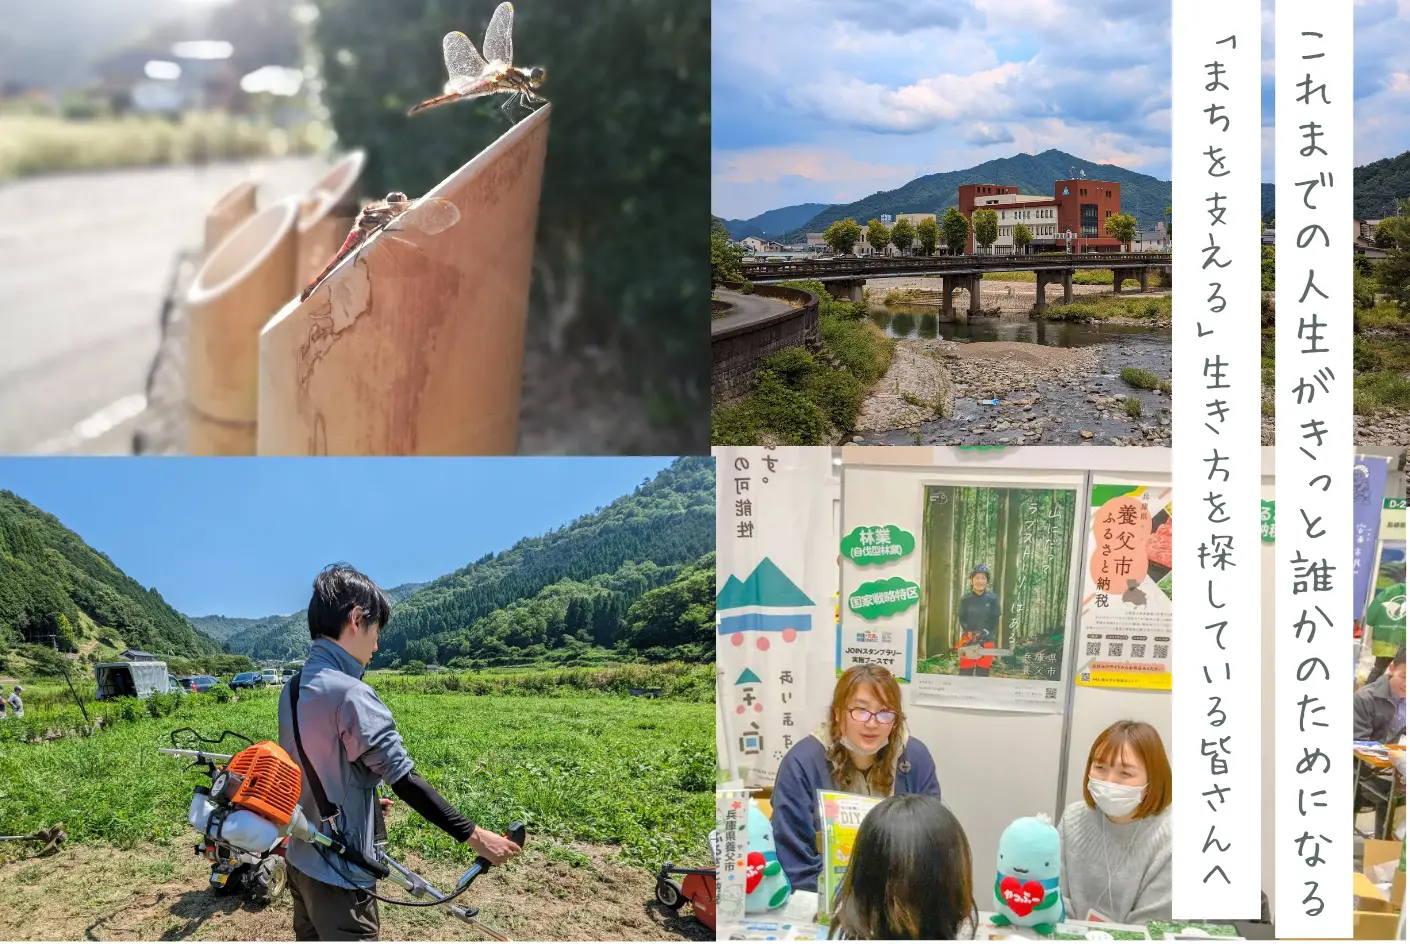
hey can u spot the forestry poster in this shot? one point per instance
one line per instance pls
(995, 597)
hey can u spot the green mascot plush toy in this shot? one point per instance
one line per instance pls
(767, 887)
(1026, 891)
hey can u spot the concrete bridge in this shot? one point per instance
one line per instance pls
(846, 276)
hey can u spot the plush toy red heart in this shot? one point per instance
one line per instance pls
(754, 873)
(1021, 897)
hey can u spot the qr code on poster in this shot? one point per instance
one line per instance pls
(1113, 649)
(1138, 650)
(1050, 694)
(1162, 652)
(1094, 648)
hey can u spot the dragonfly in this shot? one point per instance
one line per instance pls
(429, 216)
(475, 76)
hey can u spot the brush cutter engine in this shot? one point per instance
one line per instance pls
(251, 810)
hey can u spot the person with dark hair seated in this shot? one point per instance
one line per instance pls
(909, 876)
(1378, 714)
(863, 748)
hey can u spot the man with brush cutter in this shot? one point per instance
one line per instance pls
(343, 736)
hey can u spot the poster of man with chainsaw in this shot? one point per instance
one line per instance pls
(346, 742)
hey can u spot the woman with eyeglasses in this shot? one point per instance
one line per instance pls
(862, 747)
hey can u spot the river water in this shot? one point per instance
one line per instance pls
(1066, 407)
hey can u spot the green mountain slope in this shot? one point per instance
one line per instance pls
(1377, 189)
(773, 222)
(229, 630)
(48, 572)
(562, 593)
(1142, 196)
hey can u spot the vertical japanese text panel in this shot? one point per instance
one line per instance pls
(1216, 684)
(1313, 160)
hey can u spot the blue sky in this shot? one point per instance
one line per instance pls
(830, 100)
(245, 537)
(1382, 75)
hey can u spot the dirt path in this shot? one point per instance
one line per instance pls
(160, 892)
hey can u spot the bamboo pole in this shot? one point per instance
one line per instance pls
(415, 345)
(327, 215)
(242, 282)
(237, 206)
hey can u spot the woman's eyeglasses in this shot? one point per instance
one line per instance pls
(863, 716)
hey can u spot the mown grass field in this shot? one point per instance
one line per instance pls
(609, 784)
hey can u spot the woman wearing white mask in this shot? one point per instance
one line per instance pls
(1116, 858)
(862, 748)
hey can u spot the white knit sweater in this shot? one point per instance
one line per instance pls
(1123, 871)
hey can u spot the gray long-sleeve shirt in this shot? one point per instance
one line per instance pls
(1122, 870)
(353, 744)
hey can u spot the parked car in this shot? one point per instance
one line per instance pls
(290, 671)
(270, 677)
(201, 683)
(248, 680)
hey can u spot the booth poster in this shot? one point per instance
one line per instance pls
(1384, 620)
(1368, 488)
(731, 856)
(1127, 614)
(994, 597)
(880, 627)
(776, 572)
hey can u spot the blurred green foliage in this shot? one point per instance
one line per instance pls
(627, 171)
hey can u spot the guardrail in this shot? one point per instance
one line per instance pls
(736, 349)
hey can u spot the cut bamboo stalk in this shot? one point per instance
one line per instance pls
(242, 282)
(237, 206)
(330, 208)
(415, 345)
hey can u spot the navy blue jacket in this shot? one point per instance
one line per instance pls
(796, 823)
(979, 612)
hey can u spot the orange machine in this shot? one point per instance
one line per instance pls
(262, 779)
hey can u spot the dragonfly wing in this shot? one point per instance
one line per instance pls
(499, 38)
(462, 61)
(431, 216)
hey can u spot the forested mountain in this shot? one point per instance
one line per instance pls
(53, 584)
(1142, 196)
(623, 576)
(225, 628)
(1376, 189)
(774, 222)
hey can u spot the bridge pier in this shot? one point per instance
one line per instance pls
(1067, 286)
(974, 293)
(1040, 303)
(1117, 277)
(847, 290)
(1145, 278)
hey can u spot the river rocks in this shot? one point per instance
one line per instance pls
(1087, 434)
(915, 388)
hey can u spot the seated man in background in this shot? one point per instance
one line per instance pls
(1378, 714)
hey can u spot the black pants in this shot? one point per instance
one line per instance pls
(975, 670)
(1382, 663)
(1383, 783)
(325, 912)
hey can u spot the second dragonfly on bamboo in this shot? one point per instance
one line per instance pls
(475, 76)
(428, 215)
